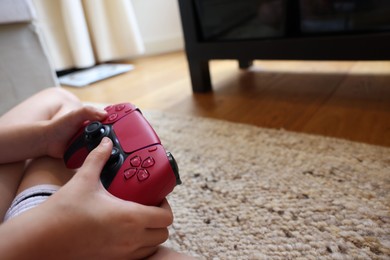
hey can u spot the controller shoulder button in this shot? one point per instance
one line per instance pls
(143, 175)
(148, 162)
(135, 161)
(129, 173)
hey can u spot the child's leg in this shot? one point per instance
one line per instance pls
(45, 105)
(10, 177)
(169, 254)
(45, 170)
(42, 177)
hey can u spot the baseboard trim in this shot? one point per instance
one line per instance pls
(164, 45)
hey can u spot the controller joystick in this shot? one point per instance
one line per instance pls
(114, 158)
(139, 169)
(94, 130)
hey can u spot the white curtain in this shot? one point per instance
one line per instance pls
(81, 33)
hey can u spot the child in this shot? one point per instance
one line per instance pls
(52, 212)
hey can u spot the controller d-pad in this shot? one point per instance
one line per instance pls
(130, 173)
(135, 161)
(112, 117)
(148, 162)
(143, 174)
(120, 107)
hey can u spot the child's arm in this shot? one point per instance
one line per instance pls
(19, 142)
(24, 141)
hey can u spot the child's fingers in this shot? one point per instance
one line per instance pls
(78, 117)
(75, 119)
(155, 217)
(97, 114)
(96, 159)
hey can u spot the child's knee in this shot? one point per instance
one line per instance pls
(62, 101)
(63, 96)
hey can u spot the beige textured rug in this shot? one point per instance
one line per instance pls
(253, 193)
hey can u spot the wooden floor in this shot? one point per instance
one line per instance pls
(349, 100)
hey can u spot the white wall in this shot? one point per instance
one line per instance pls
(160, 25)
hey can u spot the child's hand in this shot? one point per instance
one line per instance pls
(102, 226)
(83, 221)
(60, 131)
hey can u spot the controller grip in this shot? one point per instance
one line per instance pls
(75, 155)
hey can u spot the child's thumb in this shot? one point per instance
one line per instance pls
(96, 159)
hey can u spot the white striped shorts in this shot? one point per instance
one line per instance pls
(30, 198)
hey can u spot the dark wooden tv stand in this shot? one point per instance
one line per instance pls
(357, 46)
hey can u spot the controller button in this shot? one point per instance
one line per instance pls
(108, 108)
(135, 161)
(148, 162)
(152, 149)
(129, 173)
(112, 117)
(128, 109)
(120, 107)
(143, 174)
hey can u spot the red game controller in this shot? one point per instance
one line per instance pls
(139, 169)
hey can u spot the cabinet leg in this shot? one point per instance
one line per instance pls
(245, 64)
(200, 75)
